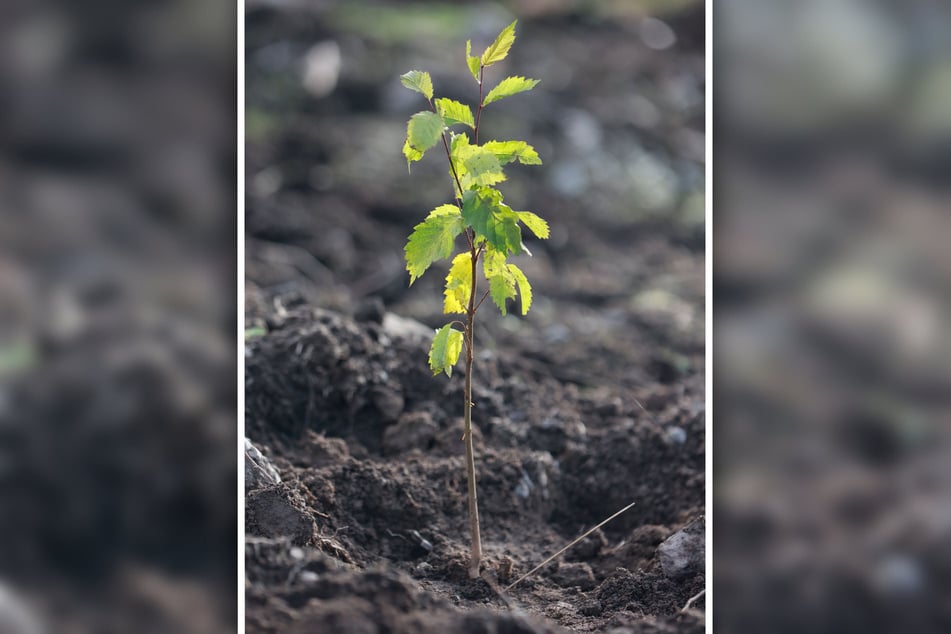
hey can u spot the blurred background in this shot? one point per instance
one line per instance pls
(117, 317)
(832, 324)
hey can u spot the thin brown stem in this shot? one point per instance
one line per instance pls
(481, 105)
(474, 533)
(452, 166)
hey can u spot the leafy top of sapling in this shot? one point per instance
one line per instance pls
(493, 230)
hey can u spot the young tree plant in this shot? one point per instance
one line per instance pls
(491, 228)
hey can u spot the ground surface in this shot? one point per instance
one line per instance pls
(361, 526)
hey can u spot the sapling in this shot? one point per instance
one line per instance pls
(491, 228)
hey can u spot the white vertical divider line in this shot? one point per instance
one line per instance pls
(708, 302)
(239, 588)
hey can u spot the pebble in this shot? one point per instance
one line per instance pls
(308, 576)
(676, 435)
(683, 553)
(421, 542)
(259, 472)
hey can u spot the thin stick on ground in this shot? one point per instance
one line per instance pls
(692, 599)
(572, 543)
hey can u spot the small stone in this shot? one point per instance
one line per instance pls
(421, 544)
(258, 470)
(525, 486)
(424, 568)
(308, 576)
(682, 554)
(676, 435)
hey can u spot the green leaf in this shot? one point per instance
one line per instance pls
(444, 210)
(480, 167)
(535, 224)
(445, 350)
(498, 49)
(508, 151)
(410, 153)
(508, 87)
(524, 288)
(492, 220)
(454, 112)
(458, 284)
(457, 144)
(501, 280)
(420, 81)
(432, 239)
(475, 165)
(472, 61)
(422, 132)
(254, 331)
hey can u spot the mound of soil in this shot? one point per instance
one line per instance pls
(364, 526)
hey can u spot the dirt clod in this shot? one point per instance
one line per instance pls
(272, 513)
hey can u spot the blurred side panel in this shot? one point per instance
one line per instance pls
(832, 319)
(117, 317)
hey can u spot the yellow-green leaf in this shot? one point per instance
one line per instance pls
(472, 61)
(423, 131)
(508, 87)
(493, 262)
(458, 284)
(535, 224)
(501, 280)
(445, 349)
(411, 153)
(431, 240)
(508, 151)
(524, 288)
(498, 49)
(420, 81)
(454, 112)
(480, 167)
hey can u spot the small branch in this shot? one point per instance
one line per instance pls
(479, 112)
(452, 166)
(484, 295)
(692, 599)
(583, 535)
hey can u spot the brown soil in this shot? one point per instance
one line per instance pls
(373, 497)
